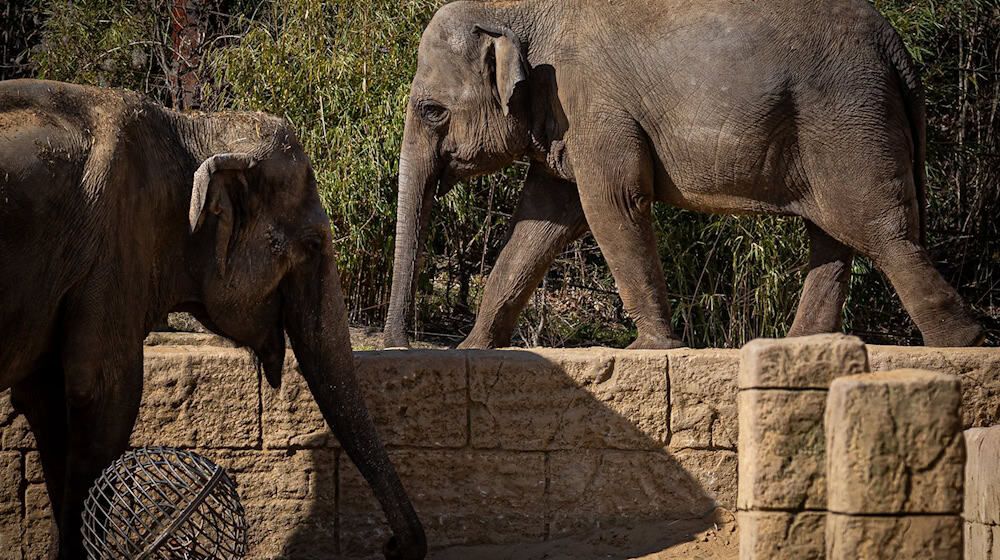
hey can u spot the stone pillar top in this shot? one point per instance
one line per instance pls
(807, 362)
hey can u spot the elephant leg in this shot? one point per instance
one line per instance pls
(41, 400)
(548, 218)
(821, 306)
(100, 424)
(615, 180)
(935, 306)
(103, 387)
(879, 218)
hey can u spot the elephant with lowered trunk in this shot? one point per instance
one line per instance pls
(114, 211)
(806, 108)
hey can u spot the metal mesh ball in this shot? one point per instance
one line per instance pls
(164, 503)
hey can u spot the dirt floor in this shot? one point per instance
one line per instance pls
(370, 338)
(650, 541)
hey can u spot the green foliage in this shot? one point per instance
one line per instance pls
(18, 34)
(100, 43)
(742, 274)
(339, 70)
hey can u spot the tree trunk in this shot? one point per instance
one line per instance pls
(188, 27)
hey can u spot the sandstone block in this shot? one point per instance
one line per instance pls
(930, 537)
(982, 542)
(198, 398)
(11, 480)
(714, 471)
(978, 369)
(303, 529)
(290, 499)
(10, 531)
(39, 534)
(462, 497)
(415, 397)
(568, 399)
(14, 430)
(982, 475)
(894, 443)
(33, 467)
(782, 450)
(304, 474)
(589, 489)
(290, 417)
(806, 362)
(778, 535)
(10, 477)
(703, 398)
(187, 339)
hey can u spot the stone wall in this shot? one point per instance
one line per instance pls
(493, 446)
(895, 466)
(982, 494)
(782, 490)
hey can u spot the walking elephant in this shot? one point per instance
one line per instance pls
(114, 211)
(788, 107)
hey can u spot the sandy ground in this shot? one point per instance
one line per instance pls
(666, 540)
(370, 338)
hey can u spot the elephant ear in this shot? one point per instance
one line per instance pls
(210, 188)
(510, 67)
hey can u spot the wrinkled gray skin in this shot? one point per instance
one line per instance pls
(790, 107)
(99, 193)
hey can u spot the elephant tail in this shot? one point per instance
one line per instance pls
(913, 99)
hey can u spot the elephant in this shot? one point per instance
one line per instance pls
(113, 212)
(745, 107)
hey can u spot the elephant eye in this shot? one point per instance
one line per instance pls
(432, 112)
(313, 242)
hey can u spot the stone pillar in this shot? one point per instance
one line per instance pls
(782, 482)
(895, 462)
(982, 494)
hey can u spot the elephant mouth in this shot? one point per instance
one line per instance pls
(446, 182)
(268, 352)
(271, 355)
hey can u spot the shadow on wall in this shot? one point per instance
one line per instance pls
(505, 454)
(315, 533)
(514, 454)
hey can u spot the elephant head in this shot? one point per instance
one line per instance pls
(261, 253)
(466, 116)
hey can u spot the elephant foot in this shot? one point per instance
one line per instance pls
(390, 342)
(970, 334)
(474, 343)
(485, 338)
(650, 342)
(810, 330)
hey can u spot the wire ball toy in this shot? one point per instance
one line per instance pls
(164, 504)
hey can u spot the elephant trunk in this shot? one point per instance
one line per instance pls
(419, 169)
(316, 323)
